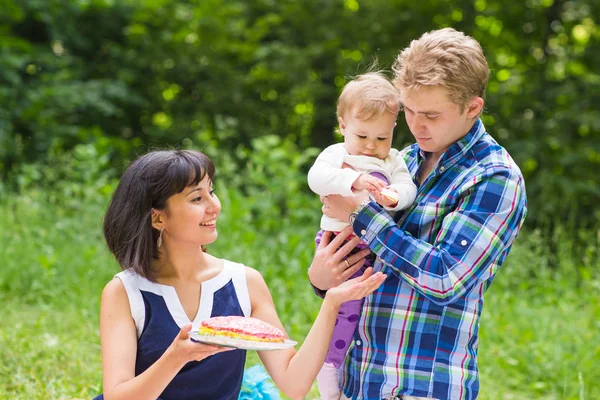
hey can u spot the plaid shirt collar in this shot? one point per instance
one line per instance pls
(456, 151)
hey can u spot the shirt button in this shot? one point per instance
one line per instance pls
(358, 342)
(464, 242)
(363, 232)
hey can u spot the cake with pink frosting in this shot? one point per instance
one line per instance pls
(246, 328)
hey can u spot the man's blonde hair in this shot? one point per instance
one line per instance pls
(446, 58)
(368, 96)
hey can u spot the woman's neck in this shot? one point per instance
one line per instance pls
(181, 263)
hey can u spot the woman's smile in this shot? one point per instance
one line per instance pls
(210, 223)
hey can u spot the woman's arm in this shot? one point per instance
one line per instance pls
(119, 347)
(294, 372)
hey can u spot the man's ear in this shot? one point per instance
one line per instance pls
(158, 219)
(474, 108)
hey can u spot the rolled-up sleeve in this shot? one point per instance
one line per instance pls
(472, 243)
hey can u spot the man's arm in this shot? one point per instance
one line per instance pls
(327, 176)
(470, 246)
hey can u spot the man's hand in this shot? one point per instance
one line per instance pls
(330, 267)
(340, 207)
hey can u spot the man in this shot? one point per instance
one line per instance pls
(418, 333)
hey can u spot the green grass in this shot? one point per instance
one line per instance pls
(540, 330)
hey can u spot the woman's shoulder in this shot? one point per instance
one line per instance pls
(115, 294)
(257, 289)
(124, 285)
(114, 287)
(253, 275)
(254, 278)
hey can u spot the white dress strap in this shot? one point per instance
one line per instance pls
(234, 272)
(238, 276)
(134, 284)
(136, 302)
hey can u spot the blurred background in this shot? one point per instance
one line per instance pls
(87, 85)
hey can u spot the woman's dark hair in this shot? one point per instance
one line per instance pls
(146, 184)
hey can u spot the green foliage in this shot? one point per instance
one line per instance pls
(272, 181)
(543, 322)
(53, 93)
(69, 178)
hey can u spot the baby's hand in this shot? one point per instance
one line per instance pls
(368, 182)
(387, 197)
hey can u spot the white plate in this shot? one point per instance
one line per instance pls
(241, 343)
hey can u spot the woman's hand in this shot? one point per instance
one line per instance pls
(330, 267)
(185, 349)
(357, 288)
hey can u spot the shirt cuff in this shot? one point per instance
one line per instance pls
(318, 292)
(370, 221)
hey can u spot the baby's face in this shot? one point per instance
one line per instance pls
(371, 138)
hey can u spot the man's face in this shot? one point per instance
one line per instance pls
(434, 120)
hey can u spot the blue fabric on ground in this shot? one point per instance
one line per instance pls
(257, 385)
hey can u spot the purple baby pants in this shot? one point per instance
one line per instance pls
(348, 316)
(347, 319)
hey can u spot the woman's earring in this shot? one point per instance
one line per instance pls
(159, 241)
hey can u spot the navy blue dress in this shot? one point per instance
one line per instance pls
(158, 316)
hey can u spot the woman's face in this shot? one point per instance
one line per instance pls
(191, 216)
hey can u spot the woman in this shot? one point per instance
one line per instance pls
(162, 213)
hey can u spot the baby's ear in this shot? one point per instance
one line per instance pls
(341, 124)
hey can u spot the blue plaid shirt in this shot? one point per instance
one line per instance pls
(418, 332)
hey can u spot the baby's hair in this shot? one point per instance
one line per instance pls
(147, 184)
(368, 96)
(444, 57)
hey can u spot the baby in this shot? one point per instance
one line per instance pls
(364, 165)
